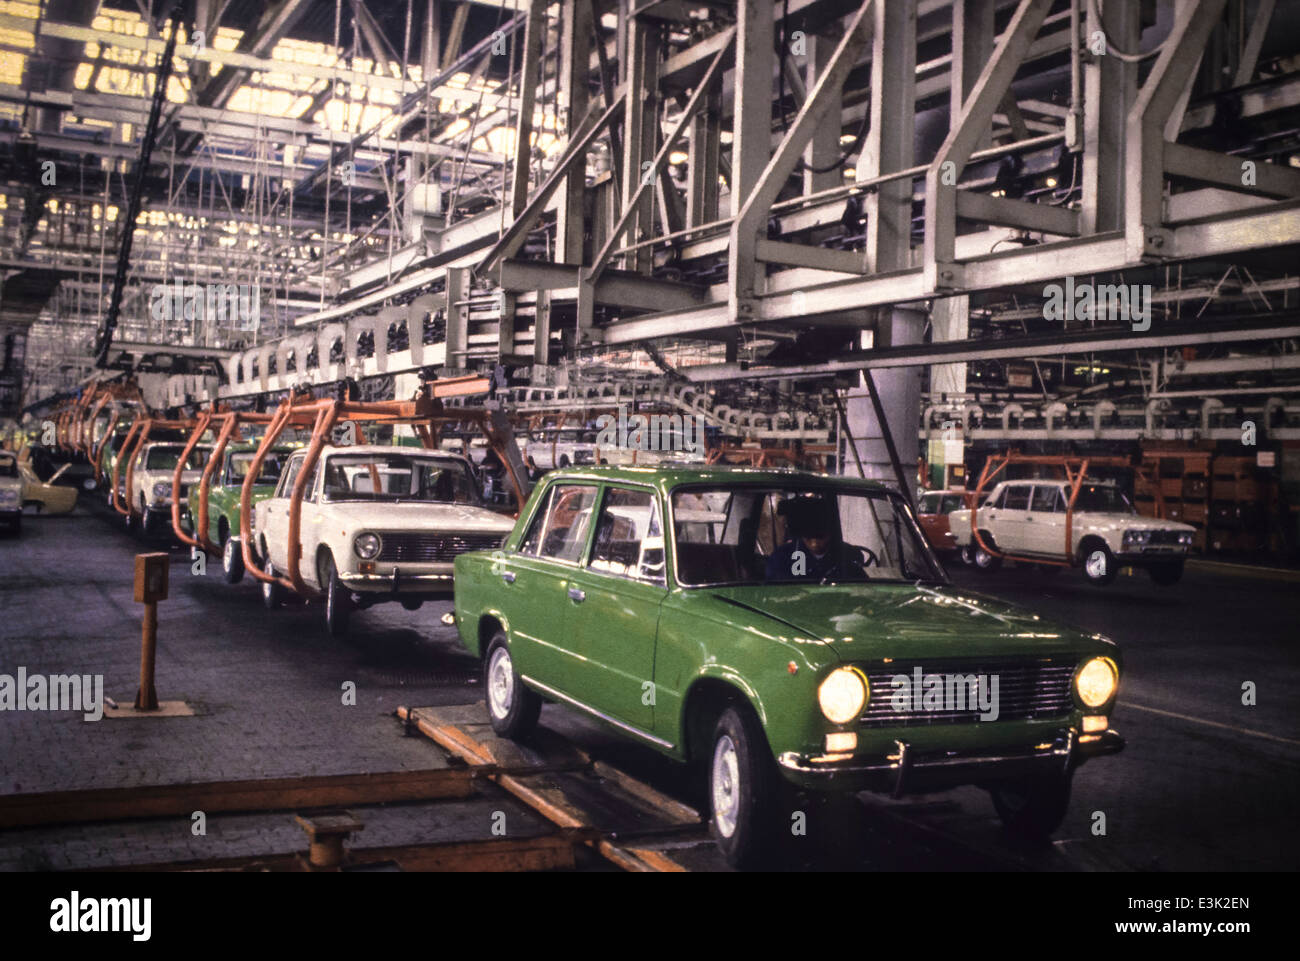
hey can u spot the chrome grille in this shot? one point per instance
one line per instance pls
(433, 547)
(1028, 689)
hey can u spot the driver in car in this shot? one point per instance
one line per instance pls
(815, 553)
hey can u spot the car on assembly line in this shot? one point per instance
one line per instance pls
(1031, 519)
(150, 495)
(932, 510)
(11, 492)
(378, 524)
(779, 627)
(224, 493)
(45, 496)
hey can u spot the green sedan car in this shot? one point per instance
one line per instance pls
(223, 500)
(780, 627)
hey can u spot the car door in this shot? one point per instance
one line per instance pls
(535, 585)
(1009, 519)
(615, 599)
(275, 528)
(1045, 529)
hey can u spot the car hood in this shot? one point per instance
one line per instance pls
(415, 516)
(905, 621)
(161, 476)
(1128, 522)
(14, 483)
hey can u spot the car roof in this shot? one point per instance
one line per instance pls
(330, 449)
(667, 477)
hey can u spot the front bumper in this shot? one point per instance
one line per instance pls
(400, 582)
(909, 771)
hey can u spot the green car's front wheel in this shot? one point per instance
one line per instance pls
(742, 789)
(1035, 807)
(512, 707)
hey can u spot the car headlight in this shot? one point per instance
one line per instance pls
(8, 496)
(367, 546)
(1185, 538)
(1136, 538)
(1096, 681)
(162, 490)
(842, 695)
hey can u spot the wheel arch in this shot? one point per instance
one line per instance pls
(489, 622)
(706, 698)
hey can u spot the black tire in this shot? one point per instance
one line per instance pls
(741, 783)
(983, 560)
(1033, 809)
(1098, 563)
(338, 599)
(512, 707)
(16, 527)
(149, 522)
(1170, 572)
(412, 603)
(232, 560)
(272, 591)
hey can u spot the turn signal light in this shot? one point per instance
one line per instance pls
(1094, 723)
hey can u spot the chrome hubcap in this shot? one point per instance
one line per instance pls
(228, 555)
(1096, 564)
(267, 586)
(501, 681)
(725, 783)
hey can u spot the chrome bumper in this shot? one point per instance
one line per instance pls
(908, 769)
(397, 582)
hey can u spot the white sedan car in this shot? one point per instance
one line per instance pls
(151, 483)
(11, 492)
(378, 524)
(1027, 519)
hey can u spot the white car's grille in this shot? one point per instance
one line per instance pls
(431, 547)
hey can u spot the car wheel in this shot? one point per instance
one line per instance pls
(1167, 573)
(412, 604)
(741, 786)
(1032, 809)
(338, 600)
(512, 707)
(985, 561)
(1099, 565)
(232, 560)
(272, 591)
(148, 522)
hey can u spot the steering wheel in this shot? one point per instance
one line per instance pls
(866, 555)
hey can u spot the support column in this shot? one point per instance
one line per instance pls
(890, 141)
(1110, 87)
(755, 61)
(702, 172)
(972, 45)
(900, 395)
(575, 56)
(640, 132)
(824, 148)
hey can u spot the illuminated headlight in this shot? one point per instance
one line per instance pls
(367, 546)
(162, 491)
(842, 695)
(1136, 538)
(1096, 681)
(1185, 538)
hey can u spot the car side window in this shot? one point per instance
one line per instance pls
(1017, 498)
(290, 475)
(629, 536)
(560, 531)
(1045, 499)
(951, 502)
(929, 504)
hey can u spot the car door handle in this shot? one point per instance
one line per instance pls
(577, 595)
(508, 576)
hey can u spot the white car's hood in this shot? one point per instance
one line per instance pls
(1131, 522)
(416, 516)
(160, 476)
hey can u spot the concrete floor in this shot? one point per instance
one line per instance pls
(1205, 783)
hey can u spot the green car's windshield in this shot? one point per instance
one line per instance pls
(241, 461)
(765, 535)
(394, 477)
(1102, 499)
(164, 457)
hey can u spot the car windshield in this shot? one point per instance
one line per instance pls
(271, 467)
(394, 477)
(1102, 499)
(770, 535)
(166, 456)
